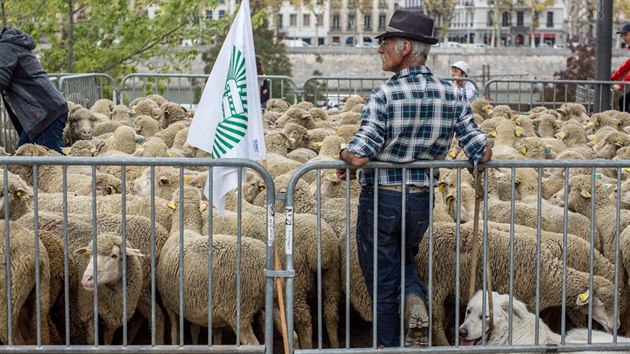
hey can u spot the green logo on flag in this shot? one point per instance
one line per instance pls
(233, 126)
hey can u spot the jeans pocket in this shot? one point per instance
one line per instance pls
(386, 226)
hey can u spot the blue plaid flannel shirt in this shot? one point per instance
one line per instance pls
(411, 117)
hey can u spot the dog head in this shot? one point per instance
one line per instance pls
(471, 331)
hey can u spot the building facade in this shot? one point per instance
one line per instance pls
(473, 23)
(357, 22)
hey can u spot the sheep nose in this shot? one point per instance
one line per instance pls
(87, 281)
(87, 131)
(463, 332)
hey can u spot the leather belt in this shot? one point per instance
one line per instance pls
(410, 189)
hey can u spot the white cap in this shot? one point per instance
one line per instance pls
(461, 65)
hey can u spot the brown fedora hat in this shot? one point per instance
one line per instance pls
(412, 25)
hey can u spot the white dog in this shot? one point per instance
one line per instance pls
(523, 323)
(523, 326)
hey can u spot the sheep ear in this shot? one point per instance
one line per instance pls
(441, 186)
(133, 252)
(583, 298)
(81, 252)
(585, 193)
(203, 206)
(619, 143)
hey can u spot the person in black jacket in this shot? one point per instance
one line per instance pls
(264, 84)
(37, 110)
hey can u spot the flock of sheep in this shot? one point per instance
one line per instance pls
(294, 135)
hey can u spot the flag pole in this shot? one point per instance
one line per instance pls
(279, 288)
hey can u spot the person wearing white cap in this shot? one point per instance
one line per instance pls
(461, 69)
(623, 73)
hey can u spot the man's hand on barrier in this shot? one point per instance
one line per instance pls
(617, 87)
(341, 173)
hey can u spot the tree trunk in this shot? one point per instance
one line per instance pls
(4, 13)
(70, 39)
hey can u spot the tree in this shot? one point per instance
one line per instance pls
(272, 53)
(538, 7)
(112, 36)
(442, 12)
(580, 66)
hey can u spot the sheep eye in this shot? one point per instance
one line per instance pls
(114, 256)
(480, 317)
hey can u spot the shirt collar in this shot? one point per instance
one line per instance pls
(413, 70)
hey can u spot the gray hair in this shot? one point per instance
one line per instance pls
(420, 50)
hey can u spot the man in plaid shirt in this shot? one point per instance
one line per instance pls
(413, 116)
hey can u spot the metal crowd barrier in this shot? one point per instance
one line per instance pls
(328, 92)
(186, 89)
(523, 95)
(85, 89)
(352, 322)
(66, 226)
(8, 136)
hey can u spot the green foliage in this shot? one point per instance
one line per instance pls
(273, 54)
(111, 36)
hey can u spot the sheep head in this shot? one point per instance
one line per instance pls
(109, 258)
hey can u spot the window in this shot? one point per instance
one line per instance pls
(306, 20)
(320, 20)
(490, 15)
(505, 19)
(335, 22)
(279, 21)
(549, 19)
(519, 18)
(209, 14)
(367, 22)
(382, 4)
(351, 22)
(293, 20)
(221, 2)
(382, 21)
(195, 19)
(221, 13)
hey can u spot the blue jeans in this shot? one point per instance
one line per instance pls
(51, 137)
(389, 253)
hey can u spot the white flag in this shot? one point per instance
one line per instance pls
(228, 119)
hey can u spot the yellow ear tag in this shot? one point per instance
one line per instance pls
(562, 135)
(337, 132)
(448, 202)
(19, 194)
(583, 297)
(441, 187)
(106, 142)
(203, 206)
(188, 179)
(517, 133)
(493, 134)
(170, 154)
(524, 150)
(627, 169)
(138, 147)
(586, 194)
(66, 150)
(452, 154)
(172, 205)
(261, 188)
(85, 255)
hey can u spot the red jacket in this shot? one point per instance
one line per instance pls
(623, 73)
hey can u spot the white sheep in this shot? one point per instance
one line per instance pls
(23, 282)
(109, 272)
(224, 258)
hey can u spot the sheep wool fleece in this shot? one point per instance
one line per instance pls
(25, 85)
